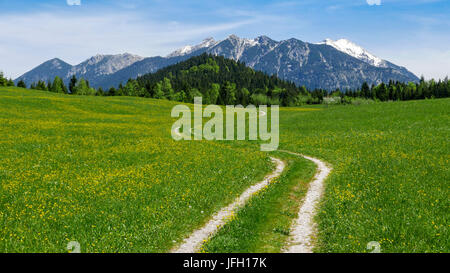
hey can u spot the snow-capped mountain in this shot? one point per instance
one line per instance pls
(327, 65)
(239, 45)
(234, 47)
(208, 42)
(356, 51)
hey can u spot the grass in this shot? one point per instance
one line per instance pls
(264, 224)
(105, 172)
(391, 176)
(389, 183)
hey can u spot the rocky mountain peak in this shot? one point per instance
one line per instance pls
(354, 50)
(327, 65)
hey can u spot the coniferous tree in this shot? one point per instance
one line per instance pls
(100, 92)
(2, 79)
(82, 88)
(365, 90)
(10, 83)
(58, 86)
(230, 93)
(111, 92)
(73, 83)
(41, 85)
(21, 84)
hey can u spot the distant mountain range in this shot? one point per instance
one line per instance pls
(327, 65)
(94, 68)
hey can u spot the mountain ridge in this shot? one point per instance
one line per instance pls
(327, 65)
(96, 66)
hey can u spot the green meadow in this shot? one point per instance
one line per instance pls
(105, 172)
(389, 184)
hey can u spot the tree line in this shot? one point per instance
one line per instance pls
(76, 87)
(4, 81)
(226, 82)
(392, 91)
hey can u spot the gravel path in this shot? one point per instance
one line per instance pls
(304, 227)
(196, 239)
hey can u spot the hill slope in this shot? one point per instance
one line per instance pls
(219, 81)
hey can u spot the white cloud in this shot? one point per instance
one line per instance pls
(74, 2)
(374, 2)
(28, 40)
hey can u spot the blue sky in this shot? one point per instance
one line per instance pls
(411, 33)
